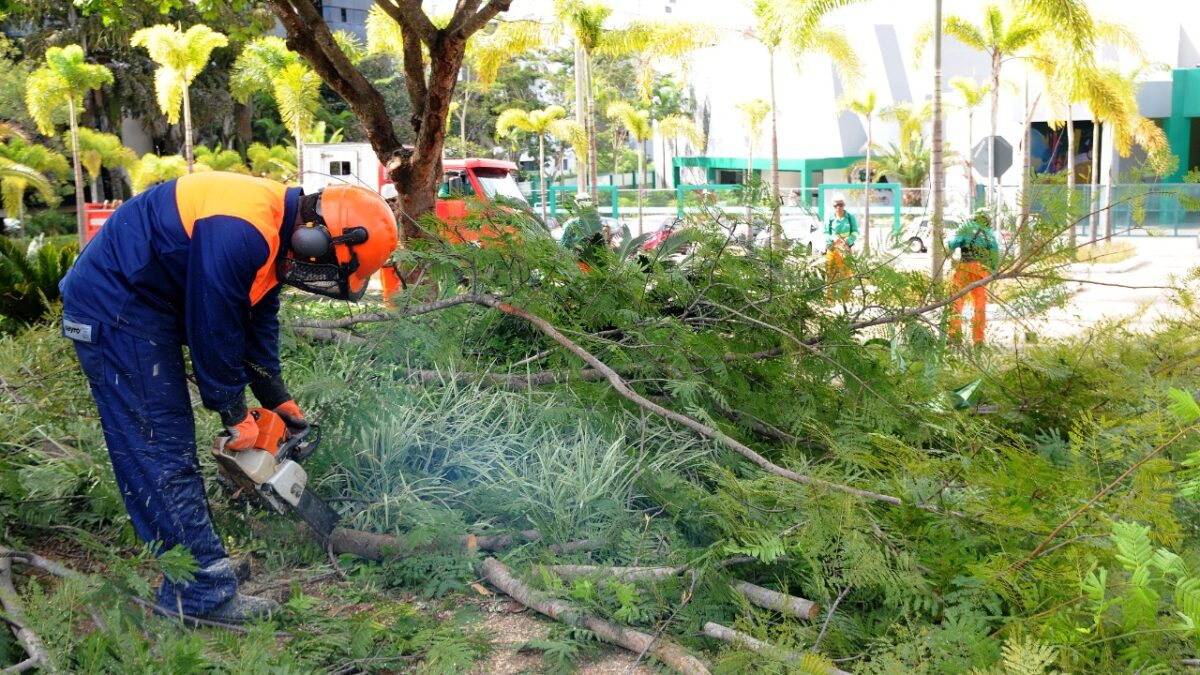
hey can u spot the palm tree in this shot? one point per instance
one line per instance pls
(180, 57)
(267, 65)
(754, 113)
(538, 122)
(971, 95)
(219, 159)
(674, 126)
(27, 166)
(796, 24)
(656, 42)
(637, 123)
(102, 151)
(63, 81)
(863, 105)
(152, 169)
(585, 20)
(15, 179)
(276, 162)
(1001, 37)
(487, 52)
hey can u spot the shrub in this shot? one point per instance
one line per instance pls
(29, 278)
(48, 222)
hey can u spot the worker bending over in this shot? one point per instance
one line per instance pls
(199, 261)
(979, 255)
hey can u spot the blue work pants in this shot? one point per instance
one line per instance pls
(141, 392)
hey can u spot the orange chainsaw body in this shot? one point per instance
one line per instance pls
(272, 430)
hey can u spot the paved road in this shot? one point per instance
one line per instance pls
(1160, 261)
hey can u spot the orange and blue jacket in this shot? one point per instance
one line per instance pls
(193, 261)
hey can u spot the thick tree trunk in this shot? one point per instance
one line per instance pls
(937, 260)
(187, 128)
(80, 203)
(634, 640)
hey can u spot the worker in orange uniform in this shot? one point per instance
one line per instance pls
(979, 255)
(841, 230)
(199, 261)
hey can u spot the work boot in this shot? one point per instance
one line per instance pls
(242, 608)
(241, 570)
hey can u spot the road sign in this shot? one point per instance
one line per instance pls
(1001, 160)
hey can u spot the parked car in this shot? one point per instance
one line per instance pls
(801, 230)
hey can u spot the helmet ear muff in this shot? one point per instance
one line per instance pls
(311, 241)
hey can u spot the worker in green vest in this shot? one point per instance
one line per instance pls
(841, 231)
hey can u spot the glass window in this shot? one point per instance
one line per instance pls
(499, 182)
(340, 169)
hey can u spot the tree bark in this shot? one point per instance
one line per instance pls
(779, 602)
(1094, 180)
(80, 203)
(15, 615)
(938, 258)
(593, 169)
(187, 128)
(618, 573)
(542, 172)
(634, 640)
(641, 186)
(582, 173)
(776, 230)
(416, 173)
(1071, 239)
(726, 634)
(997, 63)
(867, 196)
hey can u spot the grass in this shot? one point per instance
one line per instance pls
(1106, 253)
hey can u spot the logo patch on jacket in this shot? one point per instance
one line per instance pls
(80, 332)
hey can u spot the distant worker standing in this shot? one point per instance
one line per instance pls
(841, 231)
(199, 261)
(979, 255)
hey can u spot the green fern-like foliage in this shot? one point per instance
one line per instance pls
(29, 277)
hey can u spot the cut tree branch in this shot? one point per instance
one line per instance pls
(29, 641)
(734, 637)
(779, 602)
(634, 640)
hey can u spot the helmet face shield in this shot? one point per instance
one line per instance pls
(322, 278)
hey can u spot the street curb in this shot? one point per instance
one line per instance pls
(1135, 263)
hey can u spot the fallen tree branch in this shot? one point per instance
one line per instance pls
(734, 637)
(620, 573)
(29, 641)
(779, 602)
(374, 546)
(339, 337)
(635, 641)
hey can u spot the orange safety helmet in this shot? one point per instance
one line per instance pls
(345, 235)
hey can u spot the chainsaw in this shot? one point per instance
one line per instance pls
(270, 474)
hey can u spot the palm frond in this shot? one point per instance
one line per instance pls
(489, 51)
(682, 125)
(384, 35)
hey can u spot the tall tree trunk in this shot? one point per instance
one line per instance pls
(542, 172)
(80, 204)
(776, 230)
(641, 181)
(582, 173)
(462, 114)
(593, 168)
(867, 196)
(187, 127)
(970, 169)
(1025, 239)
(1094, 180)
(939, 174)
(1071, 181)
(97, 184)
(749, 174)
(299, 153)
(616, 151)
(997, 62)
